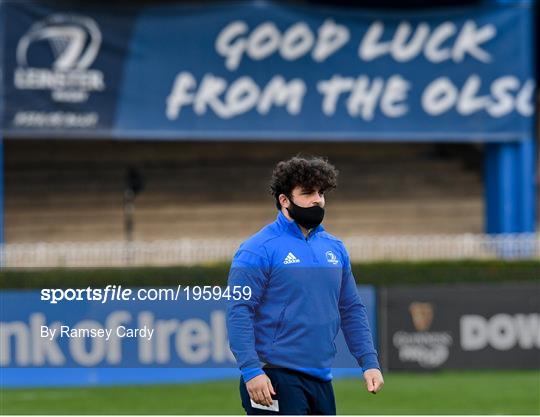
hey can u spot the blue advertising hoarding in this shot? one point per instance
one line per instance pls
(176, 341)
(265, 70)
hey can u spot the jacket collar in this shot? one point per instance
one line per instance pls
(291, 227)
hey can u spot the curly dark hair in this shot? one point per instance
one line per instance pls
(309, 173)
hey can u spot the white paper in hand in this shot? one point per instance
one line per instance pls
(273, 407)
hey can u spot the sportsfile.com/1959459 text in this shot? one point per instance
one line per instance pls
(119, 293)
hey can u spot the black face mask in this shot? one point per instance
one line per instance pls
(307, 217)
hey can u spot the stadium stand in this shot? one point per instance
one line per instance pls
(73, 190)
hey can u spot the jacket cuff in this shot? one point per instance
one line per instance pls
(369, 361)
(250, 373)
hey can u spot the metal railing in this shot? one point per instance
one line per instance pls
(190, 251)
(444, 247)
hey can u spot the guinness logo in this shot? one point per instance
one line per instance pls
(422, 315)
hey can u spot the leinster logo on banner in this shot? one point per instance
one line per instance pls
(56, 54)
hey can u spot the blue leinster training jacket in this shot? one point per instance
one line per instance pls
(302, 290)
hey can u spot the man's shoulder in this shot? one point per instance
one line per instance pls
(256, 242)
(326, 235)
(334, 243)
(254, 251)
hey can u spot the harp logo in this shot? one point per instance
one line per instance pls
(428, 349)
(56, 54)
(422, 315)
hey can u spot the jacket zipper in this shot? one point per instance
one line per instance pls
(312, 251)
(280, 323)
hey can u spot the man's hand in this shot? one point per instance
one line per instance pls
(374, 380)
(260, 390)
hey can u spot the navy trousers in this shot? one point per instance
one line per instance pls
(296, 393)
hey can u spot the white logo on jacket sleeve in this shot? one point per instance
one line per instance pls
(331, 258)
(291, 259)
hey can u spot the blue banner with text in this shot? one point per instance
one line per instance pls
(265, 70)
(146, 337)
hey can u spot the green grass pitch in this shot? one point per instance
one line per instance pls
(469, 392)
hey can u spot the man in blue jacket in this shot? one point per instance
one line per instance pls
(301, 290)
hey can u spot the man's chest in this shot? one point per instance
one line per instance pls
(306, 254)
(306, 267)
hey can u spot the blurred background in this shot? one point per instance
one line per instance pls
(138, 139)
